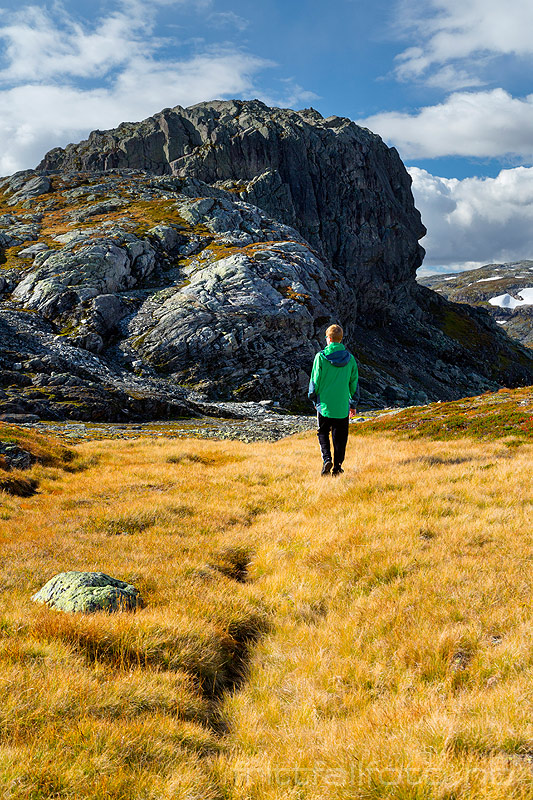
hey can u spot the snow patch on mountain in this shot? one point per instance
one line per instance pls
(507, 301)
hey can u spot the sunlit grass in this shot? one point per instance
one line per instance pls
(367, 636)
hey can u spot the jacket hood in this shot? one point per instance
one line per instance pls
(336, 354)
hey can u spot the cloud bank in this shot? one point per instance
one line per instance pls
(463, 48)
(475, 221)
(457, 41)
(480, 124)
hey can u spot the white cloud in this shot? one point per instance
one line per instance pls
(43, 105)
(475, 221)
(465, 34)
(460, 48)
(153, 84)
(38, 48)
(480, 124)
(451, 78)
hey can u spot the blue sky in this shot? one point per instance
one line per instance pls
(448, 82)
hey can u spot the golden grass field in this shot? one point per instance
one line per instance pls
(366, 636)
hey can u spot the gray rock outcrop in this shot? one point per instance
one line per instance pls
(338, 184)
(26, 185)
(88, 592)
(14, 457)
(217, 296)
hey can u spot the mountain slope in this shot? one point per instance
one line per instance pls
(349, 195)
(134, 293)
(504, 290)
(137, 287)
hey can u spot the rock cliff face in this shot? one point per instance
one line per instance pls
(339, 185)
(199, 256)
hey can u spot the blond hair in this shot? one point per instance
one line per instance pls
(335, 333)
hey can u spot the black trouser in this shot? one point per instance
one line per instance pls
(339, 437)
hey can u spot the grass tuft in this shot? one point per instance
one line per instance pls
(233, 562)
(18, 485)
(123, 524)
(190, 458)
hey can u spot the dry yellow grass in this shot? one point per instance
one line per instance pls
(385, 617)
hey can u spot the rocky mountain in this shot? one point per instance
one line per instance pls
(504, 290)
(198, 256)
(338, 184)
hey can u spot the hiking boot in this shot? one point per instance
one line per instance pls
(326, 469)
(337, 470)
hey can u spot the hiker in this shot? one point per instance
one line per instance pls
(332, 389)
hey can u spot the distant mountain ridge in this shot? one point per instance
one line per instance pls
(504, 290)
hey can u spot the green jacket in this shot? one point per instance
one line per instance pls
(334, 381)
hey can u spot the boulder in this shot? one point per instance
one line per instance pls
(32, 250)
(18, 234)
(88, 592)
(107, 311)
(168, 238)
(65, 278)
(15, 457)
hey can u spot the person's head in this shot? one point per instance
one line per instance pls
(334, 333)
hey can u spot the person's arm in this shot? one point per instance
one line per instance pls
(353, 386)
(315, 381)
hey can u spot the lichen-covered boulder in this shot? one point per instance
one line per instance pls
(88, 592)
(13, 457)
